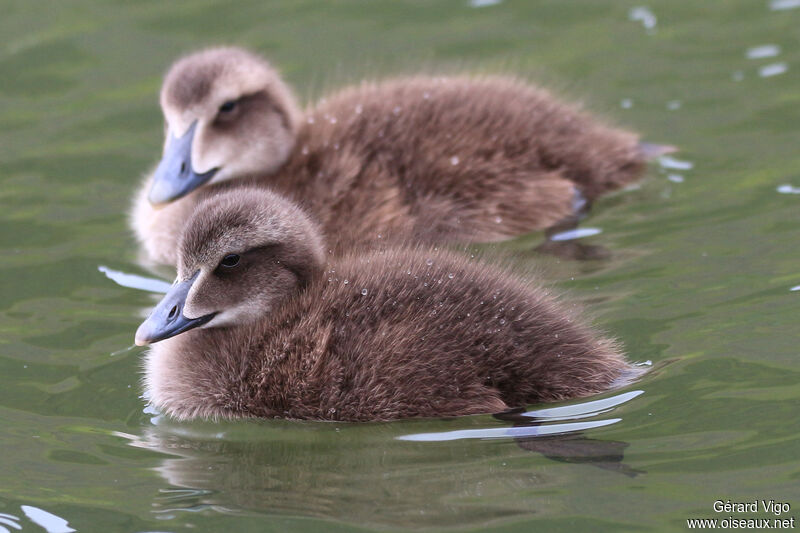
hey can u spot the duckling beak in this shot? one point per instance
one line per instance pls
(174, 177)
(167, 319)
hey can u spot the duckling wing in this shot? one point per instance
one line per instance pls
(520, 204)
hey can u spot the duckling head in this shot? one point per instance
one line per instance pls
(227, 114)
(241, 254)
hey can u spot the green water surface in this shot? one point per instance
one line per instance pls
(698, 281)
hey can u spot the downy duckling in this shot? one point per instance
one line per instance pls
(469, 159)
(257, 325)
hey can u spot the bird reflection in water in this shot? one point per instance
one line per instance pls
(378, 474)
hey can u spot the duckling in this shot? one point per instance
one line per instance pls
(257, 324)
(470, 159)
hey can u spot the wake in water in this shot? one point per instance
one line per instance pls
(563, 442)
(536, 419)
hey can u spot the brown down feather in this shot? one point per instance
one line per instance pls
(370, 335)
(464, 159)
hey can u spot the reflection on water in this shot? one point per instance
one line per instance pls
(559, 442)
(585, 408)
(782, 5)
(483, 3)
(578, 233)
(530, 429)
(668, 162)
(788, 189)
(48, 521)
(645, 16)
(324, 469)
(772, 69)
(765, 50)
(8, 520)
(359, 476)
(529, 423)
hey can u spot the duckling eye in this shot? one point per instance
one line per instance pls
(229, 261)
(227, 107)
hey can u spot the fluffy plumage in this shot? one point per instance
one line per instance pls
(378, 335)
(427, 159)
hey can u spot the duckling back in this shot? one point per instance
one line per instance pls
(464, 159)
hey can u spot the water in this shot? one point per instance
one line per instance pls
(698, 275)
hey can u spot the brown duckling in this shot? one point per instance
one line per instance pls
(258, 325)
(463, 158)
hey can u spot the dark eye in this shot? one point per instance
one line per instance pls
(229, 261)
(227, 107)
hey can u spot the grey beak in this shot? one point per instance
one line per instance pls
(174, 177)
(167, 319)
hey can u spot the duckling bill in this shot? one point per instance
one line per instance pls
(167, 319)
(259, 325)
(175, 176)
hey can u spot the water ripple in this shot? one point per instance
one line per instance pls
(484, 3)
(773, 69)
(788, 189)
(535, 429)
(495, 433)
(47, 521)
(782, 5)
(766, 50)
(645, 16)
(668, 162)
(573, 234)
